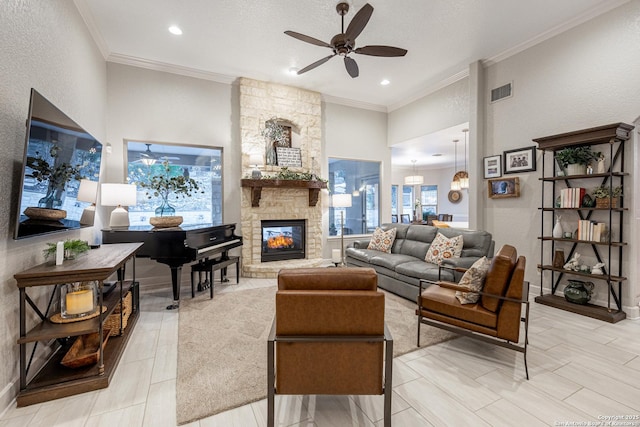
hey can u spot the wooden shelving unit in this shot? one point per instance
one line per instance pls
(52, 380)
(611, 140)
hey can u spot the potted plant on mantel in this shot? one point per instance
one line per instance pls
(168, 181)
(574, 160)
(607, 197)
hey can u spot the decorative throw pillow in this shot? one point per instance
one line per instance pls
(473, 279)
(382, 240)
(443, 247)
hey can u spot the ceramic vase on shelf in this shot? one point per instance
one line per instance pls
(557, 229)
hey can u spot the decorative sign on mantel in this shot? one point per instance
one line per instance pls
(289, 157)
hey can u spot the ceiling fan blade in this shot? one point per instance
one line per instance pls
(307, 39)
(315, 64)
(359, 21)
(352, 67)
(381, 51)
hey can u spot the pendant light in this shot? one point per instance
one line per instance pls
(455, 182)
(464, 178)
(413, 179)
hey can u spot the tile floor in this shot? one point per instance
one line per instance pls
(582, 370)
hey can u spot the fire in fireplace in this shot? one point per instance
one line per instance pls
(283, 239)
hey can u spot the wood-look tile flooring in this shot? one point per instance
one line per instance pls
(581, 371)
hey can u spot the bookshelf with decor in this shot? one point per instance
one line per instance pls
(590, 202)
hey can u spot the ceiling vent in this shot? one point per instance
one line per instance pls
(501, 92)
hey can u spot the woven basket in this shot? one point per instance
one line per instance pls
(113, 320)
(604, 203)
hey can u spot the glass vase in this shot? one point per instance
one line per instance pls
(165, 209)
(53, 199)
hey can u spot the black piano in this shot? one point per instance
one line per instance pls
(178, 245)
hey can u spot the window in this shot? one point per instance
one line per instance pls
(202, 164)
(429, 200)
(407, 200)
(360, 179)
(394, 200)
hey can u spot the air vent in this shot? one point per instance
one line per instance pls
(501, 92)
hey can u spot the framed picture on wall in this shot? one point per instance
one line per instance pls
(492, 166)
(500, 188)
(520, 160)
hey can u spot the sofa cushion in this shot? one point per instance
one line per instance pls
(390, 261)
(382, 240)
(473, 279)
(417, 240)
(442, 247)
(361, 254)
(418, 269)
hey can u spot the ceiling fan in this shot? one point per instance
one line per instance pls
(344, 43)
(149, 158)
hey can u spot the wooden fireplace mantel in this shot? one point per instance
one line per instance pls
(257, 185)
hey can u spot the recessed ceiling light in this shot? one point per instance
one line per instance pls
(437, 154)
(174, 29)
(385, 82)
(292, 71)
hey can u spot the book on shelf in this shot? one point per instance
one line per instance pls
(592, 231)
(572, 197)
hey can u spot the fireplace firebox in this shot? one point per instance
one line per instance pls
(283, 239)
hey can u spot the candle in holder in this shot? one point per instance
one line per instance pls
(336, 256)
(77, 300)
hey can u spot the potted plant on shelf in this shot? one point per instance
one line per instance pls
(167, 181)
(606, 196)
(574, 160)
(72, 248)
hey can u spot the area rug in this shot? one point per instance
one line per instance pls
(222, 348)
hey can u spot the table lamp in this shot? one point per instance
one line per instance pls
(341, 201)
(87, 192)
(118, 195)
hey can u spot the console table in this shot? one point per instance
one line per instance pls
(52, 380)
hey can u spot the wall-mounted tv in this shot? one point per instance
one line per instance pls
(61, 168)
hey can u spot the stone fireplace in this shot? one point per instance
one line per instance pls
(283, 239)
(259, 102)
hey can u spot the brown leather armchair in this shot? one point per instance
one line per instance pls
(329, 336)
(497, 315)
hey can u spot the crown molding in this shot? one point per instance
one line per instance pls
(87, 17)
(353, 103)
(429, 89)
(169, 68)
(559, 29)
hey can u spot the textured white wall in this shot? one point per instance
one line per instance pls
(44, 45)
(442, 109)
(583, 78)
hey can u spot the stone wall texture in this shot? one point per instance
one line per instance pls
(259, 102)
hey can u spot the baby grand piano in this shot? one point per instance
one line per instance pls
(178, 245)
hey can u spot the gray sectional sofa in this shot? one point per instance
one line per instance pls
(401, 270)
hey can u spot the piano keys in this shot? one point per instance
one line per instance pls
(178, 246)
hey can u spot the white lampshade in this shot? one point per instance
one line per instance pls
(118, 195)
(464, 182)
(87, 191)
(413, 180)
(455, 184)
(341, 200)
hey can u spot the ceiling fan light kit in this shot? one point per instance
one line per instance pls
(344, 43)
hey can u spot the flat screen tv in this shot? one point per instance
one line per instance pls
(61, 168)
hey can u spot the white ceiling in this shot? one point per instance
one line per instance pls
(223, 40)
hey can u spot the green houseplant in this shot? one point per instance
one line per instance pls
(168, 181)
(579, 155)
(606, 196)
(72, 248)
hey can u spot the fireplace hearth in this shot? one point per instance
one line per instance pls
(283, 239)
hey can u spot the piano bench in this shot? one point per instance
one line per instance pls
(209, 266)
